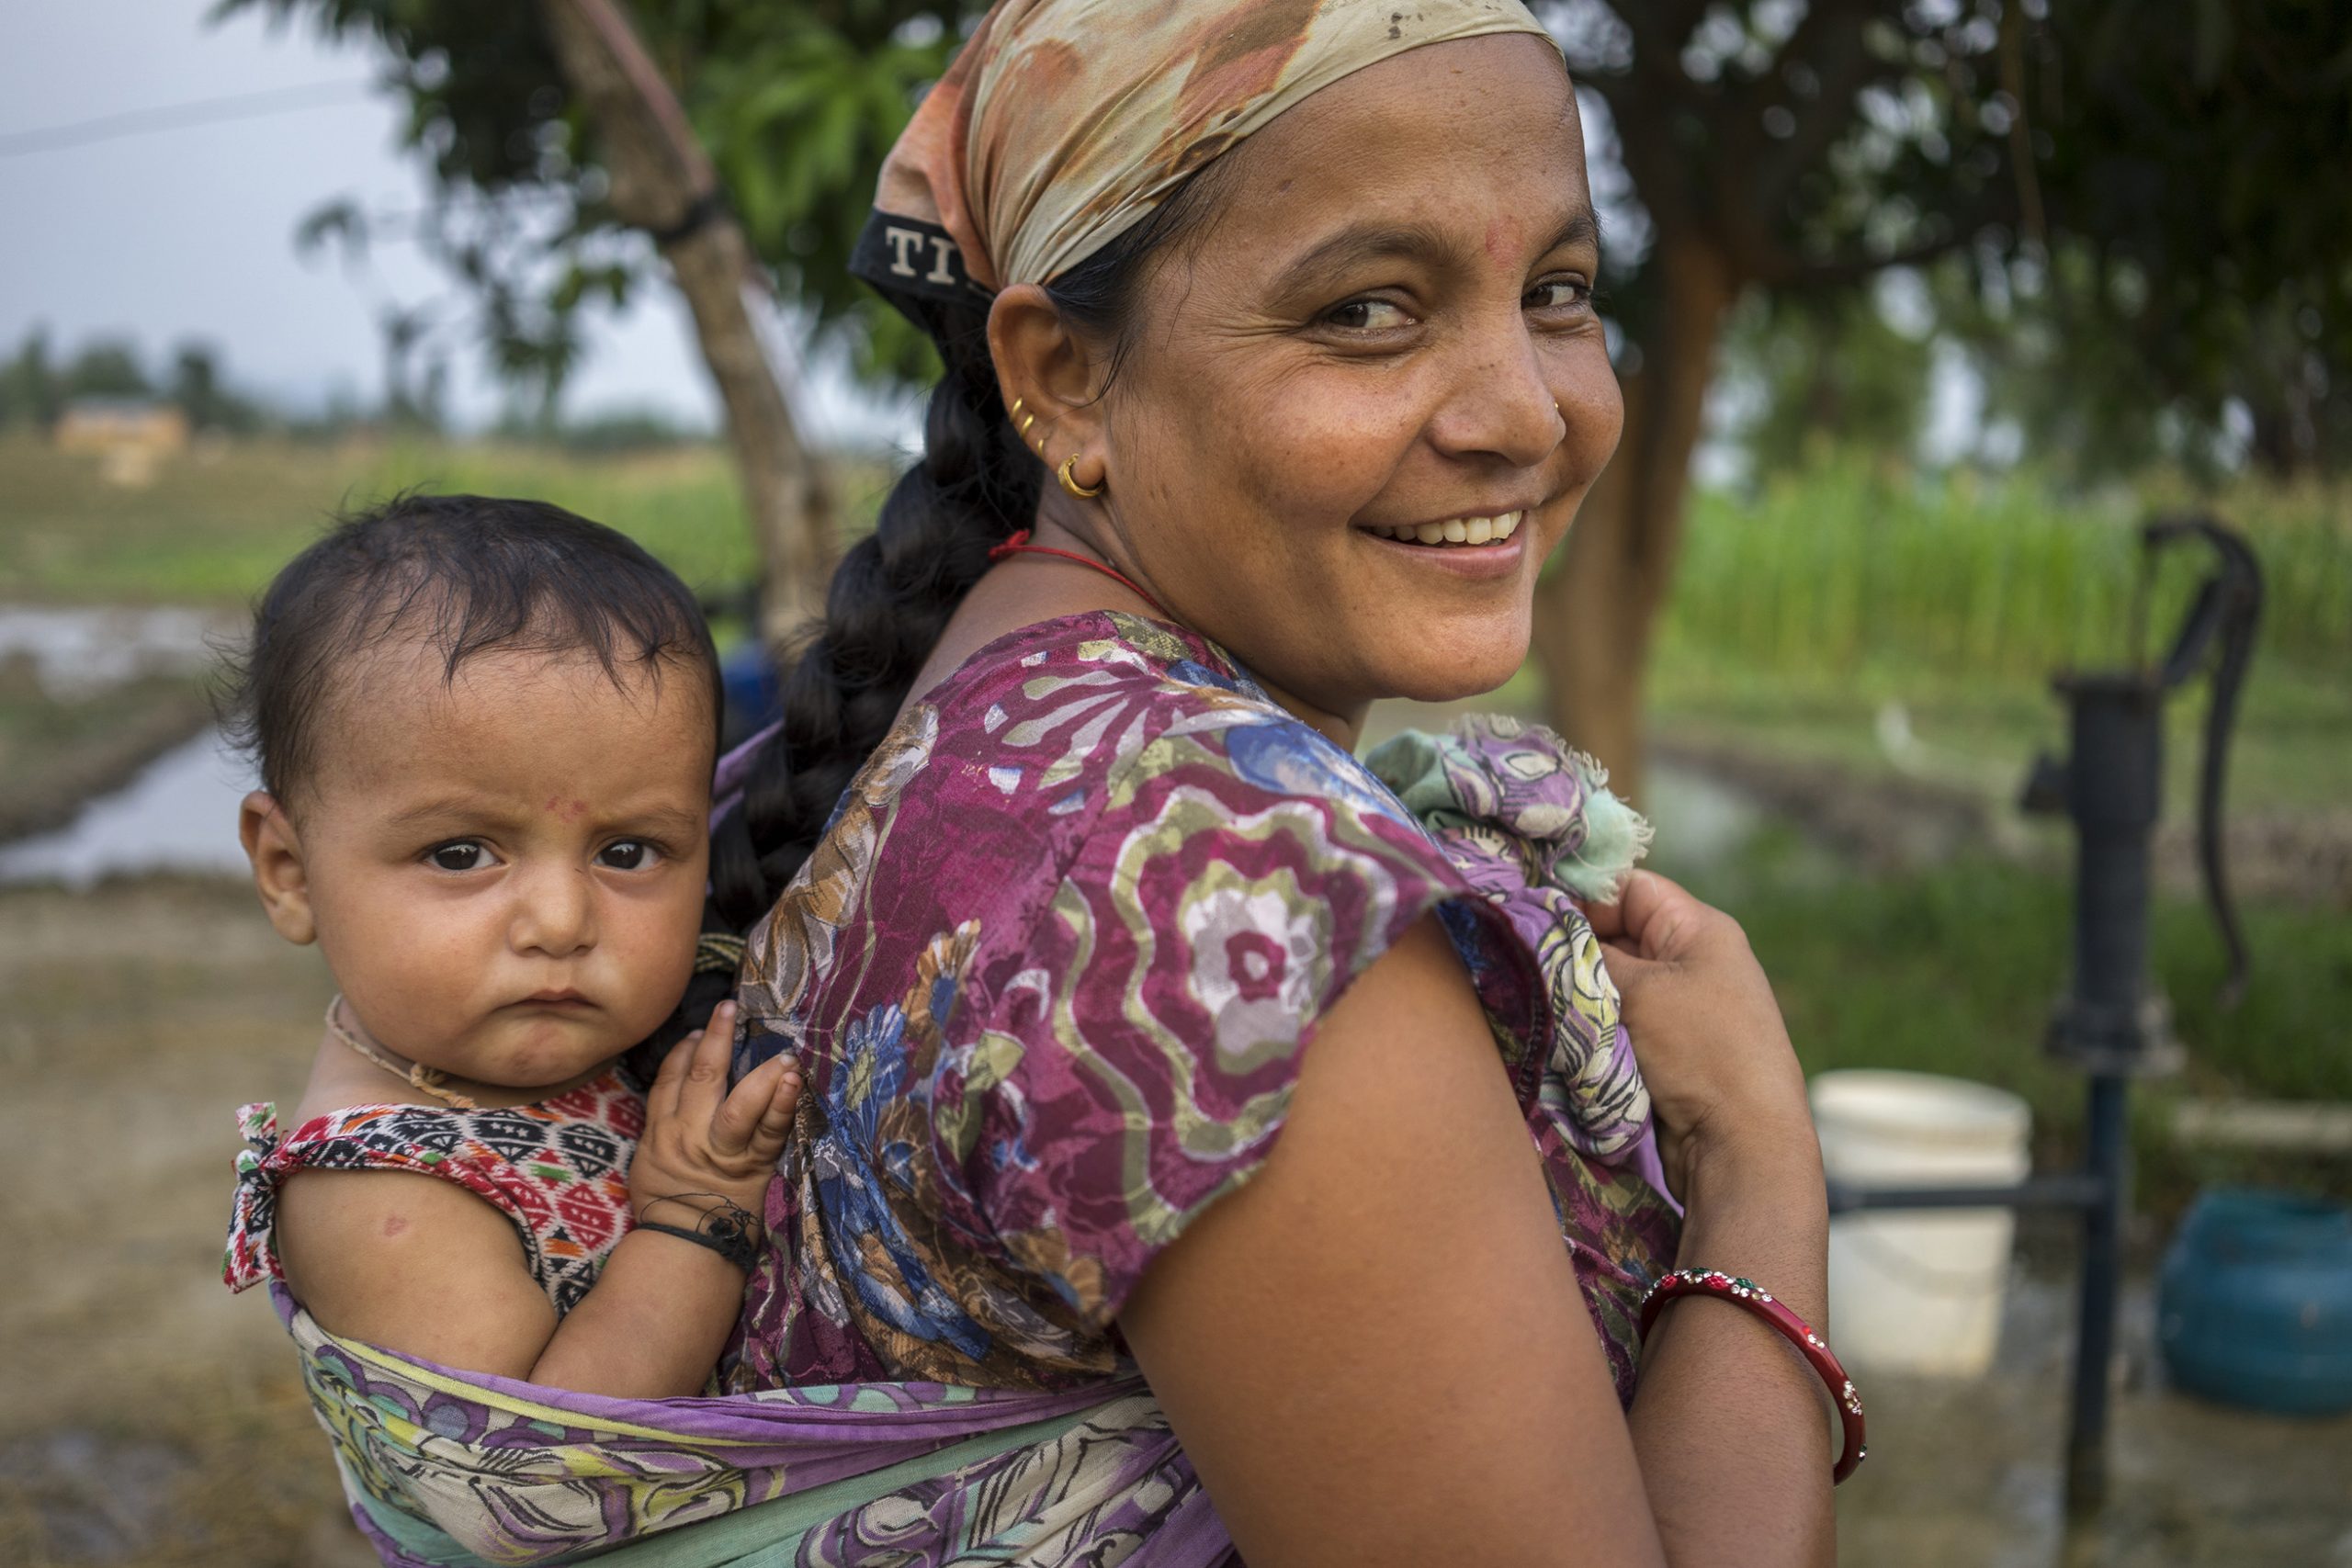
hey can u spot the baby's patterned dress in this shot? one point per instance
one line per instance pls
(559, 1169)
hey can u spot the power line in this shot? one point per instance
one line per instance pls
(176, 116)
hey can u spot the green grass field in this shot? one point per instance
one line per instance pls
(1853, 571)
(1846, 577)
(1799, 613)
(215, 527)
(1802, 613)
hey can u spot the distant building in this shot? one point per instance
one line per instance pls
(129, 435)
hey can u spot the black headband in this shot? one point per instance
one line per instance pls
(909, 261)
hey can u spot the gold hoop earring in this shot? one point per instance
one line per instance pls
(1069, 480)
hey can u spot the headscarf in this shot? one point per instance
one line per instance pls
(1062, 123)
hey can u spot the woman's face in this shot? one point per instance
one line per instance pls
(1366, 343)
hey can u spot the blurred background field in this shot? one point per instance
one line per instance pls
(1935, 304)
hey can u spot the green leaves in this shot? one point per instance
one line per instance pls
(796, 102)
(798, 118)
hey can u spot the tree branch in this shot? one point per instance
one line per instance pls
(660, 175)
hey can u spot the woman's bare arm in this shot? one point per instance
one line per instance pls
(1740, 1149)
(1376, 1352)
(1731, 1428)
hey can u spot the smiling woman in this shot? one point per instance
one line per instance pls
(1059, 860)
(1373, 337)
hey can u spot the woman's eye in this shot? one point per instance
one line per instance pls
(1369, 315)
(1559, 294)
(458, 857)
(629, 854)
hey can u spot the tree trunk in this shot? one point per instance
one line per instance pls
(1595, 615)
(662, 183)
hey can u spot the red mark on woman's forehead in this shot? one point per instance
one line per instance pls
(568, 810)
(1500, 231)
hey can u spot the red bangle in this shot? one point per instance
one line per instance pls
(1794, 1329)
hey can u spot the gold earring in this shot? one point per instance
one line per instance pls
(1025, 423)
(1069, 482)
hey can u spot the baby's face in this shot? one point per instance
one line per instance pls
(506, 872)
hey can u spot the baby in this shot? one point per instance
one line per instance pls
(486, 731)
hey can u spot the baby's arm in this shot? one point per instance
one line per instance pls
(423, 1266)
(664, 1306)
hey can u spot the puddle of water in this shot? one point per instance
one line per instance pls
(179, 815)
(77, 653)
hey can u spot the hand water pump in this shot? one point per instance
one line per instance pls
(2108, 787)
(2112, 1022)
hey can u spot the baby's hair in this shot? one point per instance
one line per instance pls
(469, 574)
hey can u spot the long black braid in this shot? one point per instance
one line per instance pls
(889, 600)
(893, 592)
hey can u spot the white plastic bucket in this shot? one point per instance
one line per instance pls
(1919, 1291)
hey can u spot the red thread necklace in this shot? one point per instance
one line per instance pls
(1019, 545)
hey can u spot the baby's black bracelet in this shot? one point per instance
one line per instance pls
(726, 1229)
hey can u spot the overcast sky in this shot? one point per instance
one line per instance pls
(188, 232)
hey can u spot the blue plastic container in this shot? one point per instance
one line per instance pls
(2254, 1305)
(747, 677)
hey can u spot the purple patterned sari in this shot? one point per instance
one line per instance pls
(1051, 973)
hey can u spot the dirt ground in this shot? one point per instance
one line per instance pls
(151, 1419)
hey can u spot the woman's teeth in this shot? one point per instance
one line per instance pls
(1454, 530)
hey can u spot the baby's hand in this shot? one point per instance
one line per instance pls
(703, 1143)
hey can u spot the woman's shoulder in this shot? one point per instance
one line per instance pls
(1054, 967)
(1101, 665)
(1054, 964)
(1094, 772)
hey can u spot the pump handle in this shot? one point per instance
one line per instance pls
(2227, 609)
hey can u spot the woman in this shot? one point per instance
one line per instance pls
(1273, 321)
